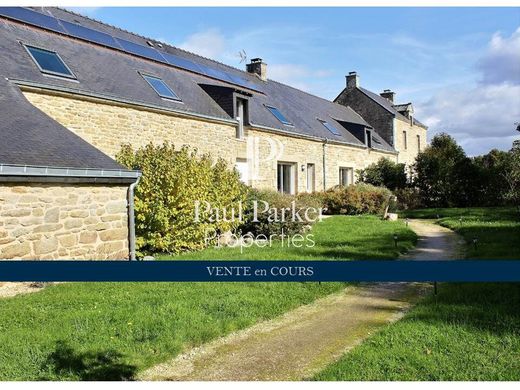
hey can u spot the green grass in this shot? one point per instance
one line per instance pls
(338, 237)
(469, 331)
(95, 331)
(497, 229)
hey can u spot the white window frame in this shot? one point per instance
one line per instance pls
(311, 181)
(350, 176)
(280, 181)
(244, 173)
(405, 140)
(240, 107)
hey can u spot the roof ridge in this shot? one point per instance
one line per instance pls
(195, 54)
(310, 94)
(149, 38)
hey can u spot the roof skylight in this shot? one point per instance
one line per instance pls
(329, 127)
(279, 115)
(49, 62)
(159, 86)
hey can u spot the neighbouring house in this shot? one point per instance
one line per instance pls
(394, 122)
(73, 90)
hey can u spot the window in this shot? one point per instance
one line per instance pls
(279, 115)
(160, 87)
(311, 178)
(241, 112)
(243, 169)
(418, 143)
(346, 176)
(368, 138)
(405, 140)
(49, 62)
(330, 128)
(286, 178)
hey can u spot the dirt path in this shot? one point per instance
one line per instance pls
(435, 242)
(302, 342)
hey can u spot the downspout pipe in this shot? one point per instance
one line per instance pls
(325, 142)
(131, 218)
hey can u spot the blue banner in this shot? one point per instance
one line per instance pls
(262, 271)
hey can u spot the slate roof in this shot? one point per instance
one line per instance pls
(29, 137)
(114, 74)
(387, 105)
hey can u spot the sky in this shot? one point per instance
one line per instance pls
(460, 67)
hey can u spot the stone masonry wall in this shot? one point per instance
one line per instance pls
(63, 221)
(408, 155)
(107, 126)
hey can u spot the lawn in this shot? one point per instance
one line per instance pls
(469, 331)
(95, 331)
(497, 229)
(338, 237)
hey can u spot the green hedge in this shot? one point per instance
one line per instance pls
(356, 199)
(173, 180)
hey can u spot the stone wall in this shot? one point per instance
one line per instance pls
(107, 126)
(63, 221)
(376, 116)
(407, 155)
(301, 152)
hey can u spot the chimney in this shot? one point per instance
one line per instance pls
(258, 67)
(352, 80)
(388, 95)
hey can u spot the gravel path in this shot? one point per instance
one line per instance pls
(302, 342)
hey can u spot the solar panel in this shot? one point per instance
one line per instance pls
(89, 34)
(244, 82)
(215, 73)
(181, 62)
(50, 23)
(140, 50)
(279, 115)
(329, 127)
(32, 17)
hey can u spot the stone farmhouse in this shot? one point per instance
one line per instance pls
(73, 90)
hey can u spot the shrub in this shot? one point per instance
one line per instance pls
(356, 199)
(408, 198)
(173, 180)
(265, 225)
(384, 173)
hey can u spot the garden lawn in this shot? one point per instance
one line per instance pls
(497, 229)
(110, 331)
(469, 331)
(337, 237)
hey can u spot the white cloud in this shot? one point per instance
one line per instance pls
(502, 60)
(213, 44)
(210, 43)
(481, 116)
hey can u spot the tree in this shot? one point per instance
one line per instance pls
(435, 169)
(384, 173)
(511, 176)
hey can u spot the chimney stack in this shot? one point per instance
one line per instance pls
(352, 80)
(388, 95)
(258, 67)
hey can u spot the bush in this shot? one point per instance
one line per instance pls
(173, 180)
(384, 173)
(276, 200)
(408, 198)
(357, 199)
